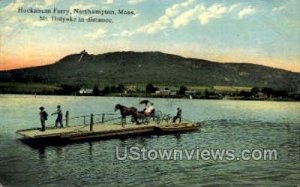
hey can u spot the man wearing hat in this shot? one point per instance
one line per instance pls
(43, 117)
(178, 115)
(59, 117)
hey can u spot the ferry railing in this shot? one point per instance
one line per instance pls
(111, 118)
(89, 119)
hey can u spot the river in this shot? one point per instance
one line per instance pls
(226, 124)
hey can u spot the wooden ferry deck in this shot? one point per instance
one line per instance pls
(104, 131)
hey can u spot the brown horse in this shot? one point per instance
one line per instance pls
(126, 111)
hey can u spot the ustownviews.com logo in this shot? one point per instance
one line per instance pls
(144, 153)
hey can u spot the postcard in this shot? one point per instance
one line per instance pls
(149, 93)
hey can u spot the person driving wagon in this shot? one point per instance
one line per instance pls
(149, 109)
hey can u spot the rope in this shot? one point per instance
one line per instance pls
(86, 117)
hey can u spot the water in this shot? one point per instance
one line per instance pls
(235, 125)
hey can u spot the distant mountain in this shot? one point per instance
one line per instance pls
(152, 67)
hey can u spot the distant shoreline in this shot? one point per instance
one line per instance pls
(164, 97)
(155, 91)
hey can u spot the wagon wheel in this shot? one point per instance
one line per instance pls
(145, 120)
(166, 117)
(158, 117)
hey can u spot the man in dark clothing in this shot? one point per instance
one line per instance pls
(59, 117)
(178, 115)
(43, 117)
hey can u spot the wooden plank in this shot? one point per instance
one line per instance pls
(113, 134)
(36, 133)
(100, 130)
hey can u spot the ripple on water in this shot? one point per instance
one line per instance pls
(235, 125)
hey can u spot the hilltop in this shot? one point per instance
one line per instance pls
(152, 67)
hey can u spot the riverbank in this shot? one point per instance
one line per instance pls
(168, 97)
(151, 91)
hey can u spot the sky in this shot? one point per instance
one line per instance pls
(256, 31)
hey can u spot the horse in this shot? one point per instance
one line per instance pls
(127, 111)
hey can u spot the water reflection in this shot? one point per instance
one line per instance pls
(141, 141)
(59, 151)
(90, 150)
(42, 153)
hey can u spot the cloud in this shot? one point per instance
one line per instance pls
(165, 20)
(232, 7)
(82, 6)
(246, 11)
(136, 15)
(160, 24)
(175, 9)
(35, 23)
(213, 12)
(10, 18)
(7, 29)
(203, 14)
(41, 4)
(97, 34)
(278, 9)
(108, 1)
(187, 16)
(13, 6)
(135, 1)
(181, 14)
(49, 2)
(124, 34)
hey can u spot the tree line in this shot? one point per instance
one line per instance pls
(150, 90)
